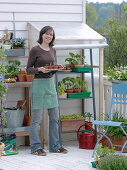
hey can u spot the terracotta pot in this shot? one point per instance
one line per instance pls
(22, 77)
(119, 141)
(2, 145)
(69, 90)
(71, 124)
(76, 90)
(29, 78)
(84, 90)
(88, 125)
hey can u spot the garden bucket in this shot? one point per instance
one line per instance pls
(87, 140)
(14, 117)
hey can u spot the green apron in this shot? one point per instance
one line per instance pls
(44, 94)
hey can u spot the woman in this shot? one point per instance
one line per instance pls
(44, 94)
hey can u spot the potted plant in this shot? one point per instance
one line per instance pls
(71, 122)
(75, 60)
(68, 84)
(12, 69)
(6, 45)
(61, 92)
(88, 123)
(18, 43)
(117, 73)
(100, 153)
(113, 162)
(115, 134)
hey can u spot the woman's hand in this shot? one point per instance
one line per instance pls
(43, 70)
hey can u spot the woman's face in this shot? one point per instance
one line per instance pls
(47, 36)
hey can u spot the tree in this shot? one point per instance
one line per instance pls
(91, 15)
(115, 54)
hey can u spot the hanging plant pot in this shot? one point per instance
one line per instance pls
(15, 52)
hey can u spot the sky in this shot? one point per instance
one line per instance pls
(104, 1)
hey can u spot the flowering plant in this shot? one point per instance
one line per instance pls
(117, 73)
(18, 42)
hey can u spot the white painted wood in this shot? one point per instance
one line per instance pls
(48, 17)
(42, 1)
(26, 8)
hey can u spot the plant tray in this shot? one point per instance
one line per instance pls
(15, 52)
(82, 69)
(71, 124)
(78, 95)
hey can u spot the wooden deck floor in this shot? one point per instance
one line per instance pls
(76, 159)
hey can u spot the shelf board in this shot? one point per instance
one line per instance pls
(19, 84)
(13, 130)
(75, 98)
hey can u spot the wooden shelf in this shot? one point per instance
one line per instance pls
(19, 84)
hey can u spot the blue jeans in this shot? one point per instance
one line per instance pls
(35, 142)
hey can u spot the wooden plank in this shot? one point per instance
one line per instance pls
(50, 8)
(17, 85)
(41, 1)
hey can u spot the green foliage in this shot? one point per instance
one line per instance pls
(102, 151)
(13, 68)
(112, 162)
(88, 115)
(18, 42)
(73, 116)
(61, 90)
(3, 88)
(67, 82)
(115, 54)
(117, 132)
(72, 83)
(117, 73)
(91, 14)
(75, 59)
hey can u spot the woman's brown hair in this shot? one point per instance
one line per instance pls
(43, 31)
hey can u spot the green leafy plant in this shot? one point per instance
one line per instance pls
(75, 59)
(3, 88)
(73, 116)
(88, 115)
(61, 90)
(12, 68)
(67, 82)
(117, 132)
(102, 151)
(112, 162)
(117, 73)
(73, 83)
(18, 42)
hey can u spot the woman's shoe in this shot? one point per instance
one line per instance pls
(60, 150)
(39, 152)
